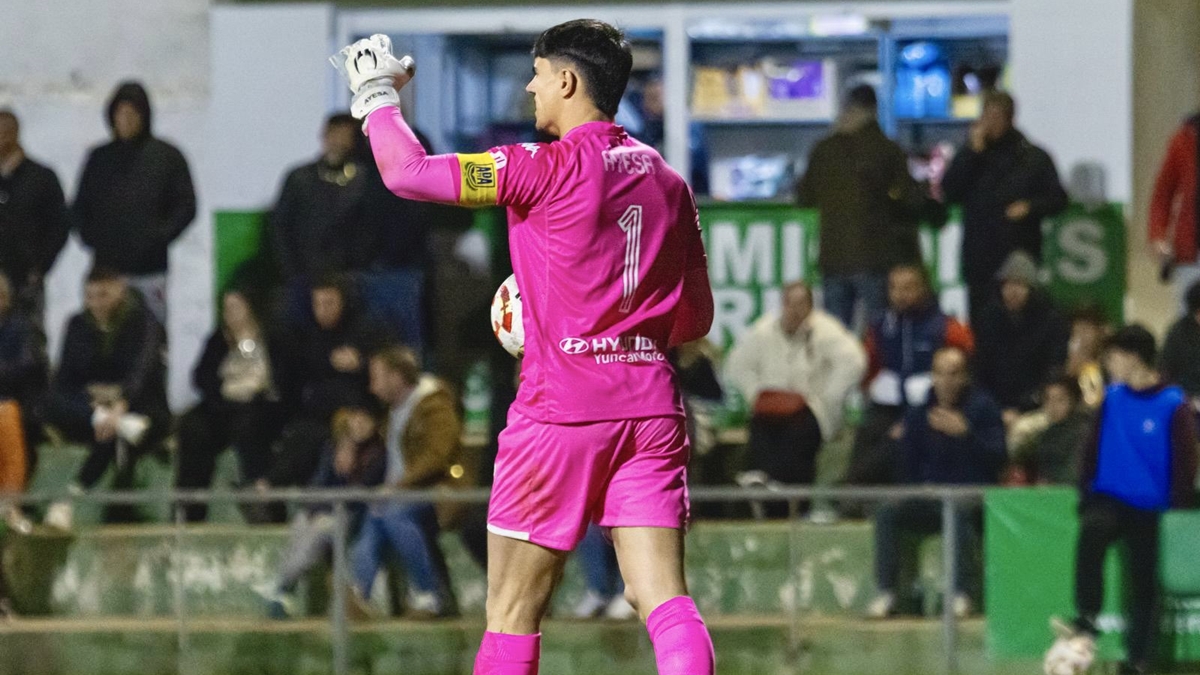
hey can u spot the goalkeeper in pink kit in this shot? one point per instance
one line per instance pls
(607, 253)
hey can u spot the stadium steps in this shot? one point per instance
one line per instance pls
(745, 646)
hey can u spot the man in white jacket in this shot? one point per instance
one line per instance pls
(795, 369)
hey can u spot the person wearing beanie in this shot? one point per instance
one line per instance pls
(857, 178)
(135, 198)
(1021, 339)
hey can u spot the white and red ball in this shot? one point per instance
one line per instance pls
(506, 317)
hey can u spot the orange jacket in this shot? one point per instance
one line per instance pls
(1173, 204)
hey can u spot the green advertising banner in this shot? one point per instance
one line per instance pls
(1029, 577)
(754, 249)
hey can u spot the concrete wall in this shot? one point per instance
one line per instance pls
(1166, 89)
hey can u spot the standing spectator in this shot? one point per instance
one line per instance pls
(1173, 210)
(900, 348)
(22, 383)
(329, 354)
(135, 198)
(869, 205)
(956, 438)
(109, 391)
(795, 369)
(246, 396)
(34, 221)
(1020, 339)
(355, 457)
(313, 222)
(1006, 186)
(422, 440)
(1139, 462)
(1050, 455)
(1180, 364)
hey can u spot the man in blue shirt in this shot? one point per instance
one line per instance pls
(955, 438)
(1139, 462)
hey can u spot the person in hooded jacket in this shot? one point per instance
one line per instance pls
(135, 198)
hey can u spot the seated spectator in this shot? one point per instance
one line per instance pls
(245, 398)
(1051, 456)
(109, 391)
(954, 438)
(330, 371)
(1085, 348)
(900, 349)
(795, 369)
(1179, 363)
(22, 383)
(1020, 340)
(422, 439)
(355, 457)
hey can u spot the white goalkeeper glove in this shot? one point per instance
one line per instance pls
(373, 96)
(370, 61)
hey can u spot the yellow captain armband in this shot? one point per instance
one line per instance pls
(477, 174)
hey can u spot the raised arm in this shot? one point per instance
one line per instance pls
(404, 165)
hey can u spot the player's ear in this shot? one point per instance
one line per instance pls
(568, 82)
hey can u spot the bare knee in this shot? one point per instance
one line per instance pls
(517, 608)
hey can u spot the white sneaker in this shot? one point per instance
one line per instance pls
(882, 606)
(132, 427)
(1072, 652)
(423, 604)
(60, 515)
(962, 606)
(620, 609)
(590, 606)
(17, 522)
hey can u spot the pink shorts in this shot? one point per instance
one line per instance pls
(552, 480)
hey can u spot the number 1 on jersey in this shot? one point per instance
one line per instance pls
(631, 225)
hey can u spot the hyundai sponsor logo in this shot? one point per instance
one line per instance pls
(573, 345)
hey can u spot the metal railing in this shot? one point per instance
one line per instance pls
(952, 498)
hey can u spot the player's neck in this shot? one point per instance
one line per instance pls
(577, 118)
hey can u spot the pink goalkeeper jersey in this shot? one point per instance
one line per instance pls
(602, 232)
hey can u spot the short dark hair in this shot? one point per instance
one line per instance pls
(1192, 298)
(917, 268)
(341, 120)
(599, 52)
(1066, 383)
(400, 359)
(1090, 313)
(7, 113)
(1001, 100)
(332, 281)
(1135, 339)
(101, 273)
(799, 283)
(863, 96)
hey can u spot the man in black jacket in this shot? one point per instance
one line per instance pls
(33, 218)
(1179, 363)
(1020, 339)
(110, 388)
(1006, 186)
(315, 223)
(135, 198)
(869, 204)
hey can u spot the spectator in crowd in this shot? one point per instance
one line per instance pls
(1051, 454)
(1006, 186)
(1020, 339)
(900, 348)
(34, 221)
(857, 178)
(795, 368)
(1181, 351)
(246, 395)
(1089, 330)
(605, 592)
(135, 198)
(1173, 211)
(1139, 462)
(109, 391)
(315, 221)
(355, 457)
(422, 439)
(329, 354)
(22, 384)
(955, 438)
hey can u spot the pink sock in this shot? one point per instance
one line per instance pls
(681, 642)
(504, 654)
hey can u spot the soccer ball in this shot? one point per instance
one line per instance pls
(506, 317)
(1071, 654)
